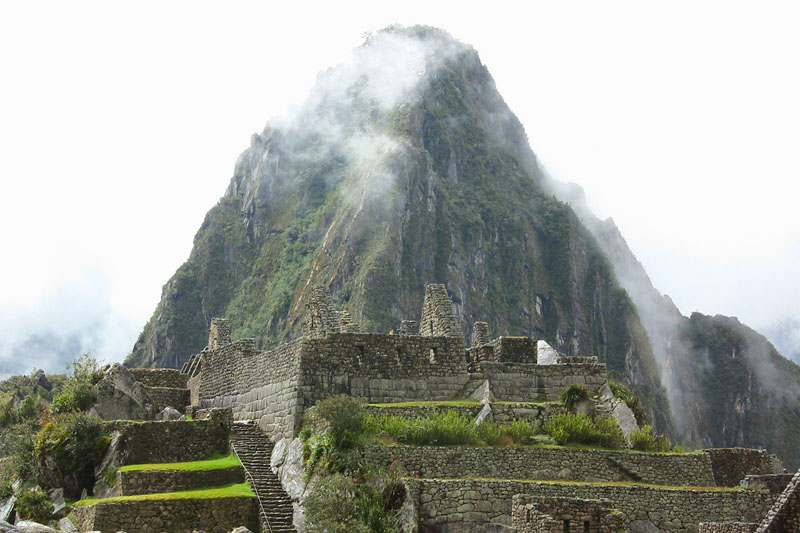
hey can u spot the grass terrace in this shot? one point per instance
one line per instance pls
(236, 490)
(215, 463)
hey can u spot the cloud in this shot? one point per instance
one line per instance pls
(74, 318)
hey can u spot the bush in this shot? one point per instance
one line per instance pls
(70, 446)
(342, 504)
(578, 428)
(35, 505)
(643, 439)
(340, 416)
(77, 394)
(572, 395)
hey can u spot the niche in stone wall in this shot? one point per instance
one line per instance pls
(432, 355)
(398, 354)
(359, 355)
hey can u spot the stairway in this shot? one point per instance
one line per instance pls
(254, 450)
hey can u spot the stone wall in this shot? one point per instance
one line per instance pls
(530, 412)
(219, 515)
(692, 469)
(727, 527)
(785, 513)
(162, 397)
(260, 386)
(160, 377)
(469, 504)
(731, 465)
(775, 483)
(423, 411)
(523, 382)
(173, 441)
(556, 515)
(438, 317)
(155, 481)
(378, 368)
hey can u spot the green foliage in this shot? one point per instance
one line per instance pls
(344, 504)
(6, 489)
(77, 394)
(449, 427)
(631, 400)
(342, 417)
(578, 428)
(75, 442)
(573, 394)
(644, 440)
(34, 505)
(234, 490)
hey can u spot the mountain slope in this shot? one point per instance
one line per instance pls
(405, 167)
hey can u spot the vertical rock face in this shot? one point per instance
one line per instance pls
(404, 168)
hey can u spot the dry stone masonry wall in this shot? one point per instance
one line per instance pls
(546, 463)
(470, 504)
(438, 318)
(731, 465)
(211, 515)
(556, 515)
(156, 481)
(160, 377)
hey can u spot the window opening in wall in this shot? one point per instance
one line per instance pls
(585, 526)
(432, 355)
(566, 526)
(398, 354)
(359, 354)
(431, 327)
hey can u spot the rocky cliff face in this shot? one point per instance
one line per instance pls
(404, 168)
(726, 384)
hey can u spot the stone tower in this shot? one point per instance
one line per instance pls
(219, 333)
(438, 317)
(321, 317)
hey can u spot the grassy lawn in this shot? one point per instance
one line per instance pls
(227, 491)
(215, 463)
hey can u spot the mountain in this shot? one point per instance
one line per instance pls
(406, 167)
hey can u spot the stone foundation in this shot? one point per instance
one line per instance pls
(155, 481)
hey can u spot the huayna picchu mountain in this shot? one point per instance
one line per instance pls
(406, 167)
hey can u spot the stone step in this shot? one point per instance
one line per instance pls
(255, 451)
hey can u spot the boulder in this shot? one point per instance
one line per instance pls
(121, 397)
(546, 354)
(113, 459)
(26, 526)
(168, 413)
(5, 527)
(59, 505)
(65, 524)
(241, 529)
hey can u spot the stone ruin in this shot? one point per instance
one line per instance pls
(428, 361)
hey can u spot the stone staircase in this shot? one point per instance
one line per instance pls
(254, 450)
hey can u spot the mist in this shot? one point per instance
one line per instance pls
(74, 318)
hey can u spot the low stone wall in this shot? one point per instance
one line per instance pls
(546, 464)
(775, 483)
(556, 515)
(160, 377)
(156, 481)
(530, 412)
(517, 382)
(219, 515)
(162, 397)
(423, 411)
(727, 527)
(785, 513)
(173, 441)
(469, 504)
(731, 465)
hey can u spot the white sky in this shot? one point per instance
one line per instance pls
(120, 123)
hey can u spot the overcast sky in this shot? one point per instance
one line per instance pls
(120, 123)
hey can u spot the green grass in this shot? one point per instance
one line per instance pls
(216, 463)
(235, 490)
(442, 403)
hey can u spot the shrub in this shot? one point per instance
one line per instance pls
(340, 416)
(573, 394)
(70, 445)
(35, 505)
(6, 489)
(578, 428)
(343, 504)
(643, 439)
(77, 393)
